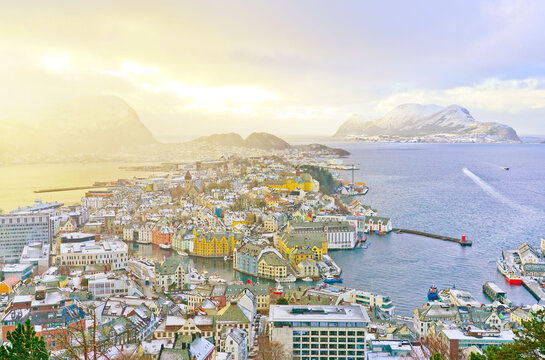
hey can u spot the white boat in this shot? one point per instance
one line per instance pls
(307, 278)
(287, 279)
(165, 246)
(183, 254)
(502, 267)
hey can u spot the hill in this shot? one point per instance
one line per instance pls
(428, 123)
(98, 124)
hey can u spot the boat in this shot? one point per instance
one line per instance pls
(307, 279)
(183, 254)
(506, 168)
(165, 246)
(330, 279)
(433, 294)
(513, 278)
(289, 278)
(502, 266)
(225, 258)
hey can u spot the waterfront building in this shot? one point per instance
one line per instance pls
(371, 301)
(214, 244)
(378, 224)
(145, 233)
(112, 253)
(298, 247)
(289, 184)
(271, 266)
(21, 229)
(162, 235)
(462, 298)
(308, 268)
(528, 254)
(170, 273)
(320, 332)
(339, 234)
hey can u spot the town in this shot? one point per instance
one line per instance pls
(116, 274)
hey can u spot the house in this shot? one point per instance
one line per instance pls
(170, 273)
(235, 342)
(378, 224)
(308, 268)
(271, 265)
(9, 284)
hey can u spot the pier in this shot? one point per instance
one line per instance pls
(462, 241)
(534, 288)
(68, 189)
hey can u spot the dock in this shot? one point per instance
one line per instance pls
(495, 293)
(462, 241)
(534, 288)
(68, 189)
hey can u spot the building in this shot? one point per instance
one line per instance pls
(458, 339)
(301, 247)
(245, 258)
(308, 268)
(339, 234)
(214, 244)
(21, 271)
(36, 254)
(107, 286)
(271, 266)
(234, 341)
(162, 236)
(377, 224)
(320, 332)
(21, 229)
(113, 253)
(170, 273)
(372, 300)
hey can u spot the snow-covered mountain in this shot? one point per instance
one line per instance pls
(427, 123)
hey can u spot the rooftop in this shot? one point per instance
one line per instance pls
(344, 313)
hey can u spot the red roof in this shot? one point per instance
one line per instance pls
(11, 281)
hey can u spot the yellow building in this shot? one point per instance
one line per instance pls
(213, 244)
(303, 182)
(271, 266)
(302, 247)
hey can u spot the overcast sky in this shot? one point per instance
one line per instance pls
(287, 67)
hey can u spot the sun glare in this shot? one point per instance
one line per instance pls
(57, 61)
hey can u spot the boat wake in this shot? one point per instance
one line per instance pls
(496, 195)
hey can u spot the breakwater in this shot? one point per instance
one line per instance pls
(462, 241)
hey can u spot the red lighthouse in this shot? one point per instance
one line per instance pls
(463, 238)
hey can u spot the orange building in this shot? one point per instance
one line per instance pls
(162, 236)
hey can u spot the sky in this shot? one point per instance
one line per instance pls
(297, 68)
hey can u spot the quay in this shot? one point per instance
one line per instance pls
(534, 288)
(463, 241)
(68, 189)
(495, 293)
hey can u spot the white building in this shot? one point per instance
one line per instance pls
(37, 254)
(320, 332)
(340, 234)
(145, 233)
(235, 342)
(104, 286)
(378, 224)
(114, 253)
(19, 230)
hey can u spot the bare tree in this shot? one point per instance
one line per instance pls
(268, 350)
(79, 341)
(435, 343)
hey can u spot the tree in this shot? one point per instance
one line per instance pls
(282, 301)
(436, 356)
(268, 350)
(529, 341)
(24, 344)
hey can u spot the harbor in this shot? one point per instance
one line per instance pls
(535, 289)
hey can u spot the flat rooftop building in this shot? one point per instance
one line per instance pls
(320, 332)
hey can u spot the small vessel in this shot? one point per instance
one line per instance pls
(502, 266)
(513, 278)
(433, 294)
(165, 246)
(506, 168)
(289, 278)
(225, 258)
(183, 254)
(331, 279)
(307, 279)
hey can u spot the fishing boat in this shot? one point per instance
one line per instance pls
(506, 168)
(502, 266)
(513, 278)
(433, 294)
(331, 279)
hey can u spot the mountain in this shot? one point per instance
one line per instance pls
(98, 124)
(428, 123)
(263, 141)
(230, 139)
